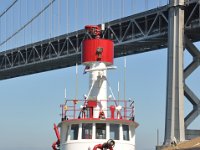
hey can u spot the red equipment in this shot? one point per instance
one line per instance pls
(108, 145)
(56, 144)
(97, 49)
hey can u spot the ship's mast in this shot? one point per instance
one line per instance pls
(97, 56)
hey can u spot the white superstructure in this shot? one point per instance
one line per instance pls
(96, 122)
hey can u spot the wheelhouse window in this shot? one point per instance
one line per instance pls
(87, 131)
(100, 131)
(74, 132)
(125, 132)
(114, 131)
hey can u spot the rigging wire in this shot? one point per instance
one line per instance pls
(29, 22)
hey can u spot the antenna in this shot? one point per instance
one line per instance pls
(65, 94)
(157, 137)
(124, 77)
(76, 94)
(118, 91)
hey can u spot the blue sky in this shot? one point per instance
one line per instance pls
(29, 105)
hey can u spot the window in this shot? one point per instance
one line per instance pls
(87, 131)
(74, 132)
(114, 131)
(100, 131)
(125, 132)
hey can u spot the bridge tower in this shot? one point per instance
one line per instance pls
(175, 122)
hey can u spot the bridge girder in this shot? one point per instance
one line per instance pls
(134, 34)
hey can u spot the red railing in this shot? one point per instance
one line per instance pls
(116, 109)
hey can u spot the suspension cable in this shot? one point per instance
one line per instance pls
(29, 22)
(7, 9)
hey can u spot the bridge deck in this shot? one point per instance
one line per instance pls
(143, 32)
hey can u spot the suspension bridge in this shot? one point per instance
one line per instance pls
(37, 47)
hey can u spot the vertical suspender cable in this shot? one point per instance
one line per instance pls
(146, 4)
(87, 12)
(97, 11)
(112, 10)
(0, 30)
(102, 11)
(40, 22)
(159, 3)
(25, 18)
(31, 25)
(50, 20)
(67, 16)
(13, 25)
(76, 17)
(19, 22)
(5, 30)
(122, 8)
(133, 6)
(59, 15)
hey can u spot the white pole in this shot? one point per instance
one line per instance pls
(118, 91)
(76, 81)
(65, 94)
(124, 77)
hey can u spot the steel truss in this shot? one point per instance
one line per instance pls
(134, 34)
(194, 100)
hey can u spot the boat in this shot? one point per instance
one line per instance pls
(98, 121)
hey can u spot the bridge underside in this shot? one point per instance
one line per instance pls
(134, 34)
